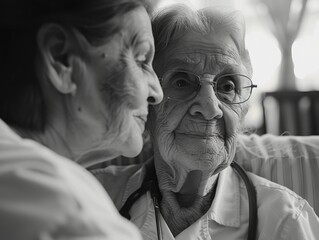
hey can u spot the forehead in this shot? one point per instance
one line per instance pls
(200, 52)
(137, 21)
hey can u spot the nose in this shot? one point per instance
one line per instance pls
(155, 90)
(206, 104)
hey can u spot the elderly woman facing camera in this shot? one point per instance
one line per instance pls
(76, 81)
(200, 192)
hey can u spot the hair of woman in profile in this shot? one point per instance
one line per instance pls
(21, 98)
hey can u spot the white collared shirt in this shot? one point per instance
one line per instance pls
(282, 214)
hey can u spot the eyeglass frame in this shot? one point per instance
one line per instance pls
(213, 84)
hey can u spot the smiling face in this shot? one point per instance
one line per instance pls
(114, 84)
(199, 133)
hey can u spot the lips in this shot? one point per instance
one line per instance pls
(200, 134)
(201, 129)
(141, 119)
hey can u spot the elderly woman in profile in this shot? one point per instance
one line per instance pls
(199, 193)
(76, 81)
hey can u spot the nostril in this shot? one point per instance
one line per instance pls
(151, 99)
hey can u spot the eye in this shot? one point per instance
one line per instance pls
(143, 52)
(226, 85)
(181, 80)
(180, 83)
(141, 59)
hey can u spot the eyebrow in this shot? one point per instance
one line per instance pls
(138, 38)
(230, 69)
(178, 63)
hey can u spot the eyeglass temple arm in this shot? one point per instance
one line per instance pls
(251, 86)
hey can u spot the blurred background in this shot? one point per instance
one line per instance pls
(282, 37)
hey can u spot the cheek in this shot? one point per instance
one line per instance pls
(123, 88)
(90, 99)
(169, 114)
(120, 80)
(245, 108)
(233, 117)
(135, 86)
(116, 95)
(163, 127)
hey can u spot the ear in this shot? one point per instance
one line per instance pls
(55, 46)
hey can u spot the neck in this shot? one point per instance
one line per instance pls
(50, 137)
(191, 201)
(71, 142)
(182, 210)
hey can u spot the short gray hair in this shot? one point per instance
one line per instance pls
(171, 23)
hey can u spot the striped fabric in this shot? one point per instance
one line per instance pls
(288, 160)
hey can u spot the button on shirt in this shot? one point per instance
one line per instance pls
(282, 214)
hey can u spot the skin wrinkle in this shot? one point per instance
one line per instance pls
(112, 89)
(199, 56)
(122, 87)
(164, 117)
(116, 92)
(165, 127)
(205, 48)
(79, 70)
(193, 127)
(174, 165)
(177, 154)
(189, 214)
(120, 94)
(211, 56)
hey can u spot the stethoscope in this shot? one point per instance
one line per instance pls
(150, 184)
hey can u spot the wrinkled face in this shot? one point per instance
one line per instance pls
(118, 81)
(198, 133)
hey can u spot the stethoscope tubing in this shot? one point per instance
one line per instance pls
(149, 185)
(252, 201)
(158, 220)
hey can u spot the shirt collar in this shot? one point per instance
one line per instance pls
(133, 183)
(225, 209)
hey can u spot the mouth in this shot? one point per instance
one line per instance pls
(201, 135)
(141, 119)
(201, 129)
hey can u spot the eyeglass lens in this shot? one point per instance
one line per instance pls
(229, 88)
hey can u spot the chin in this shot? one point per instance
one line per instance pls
(205, 162)
(133, 147)
(207, 155)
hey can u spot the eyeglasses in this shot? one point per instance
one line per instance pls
(229, 88)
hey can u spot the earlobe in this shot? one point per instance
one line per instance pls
(55, 50)
(61, 78)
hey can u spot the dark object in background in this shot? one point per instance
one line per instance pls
(291, 113)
